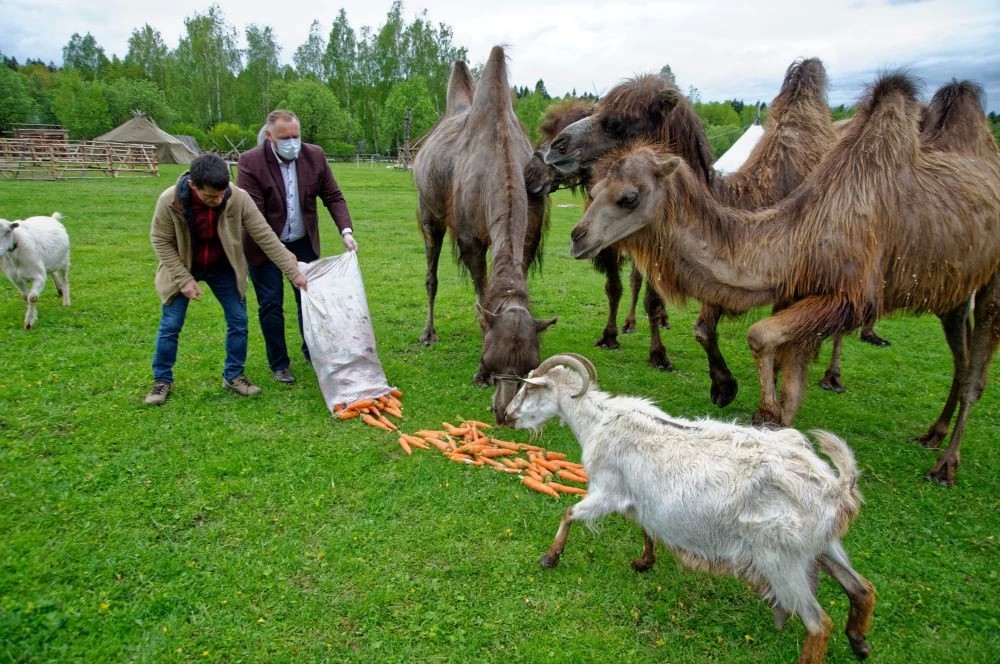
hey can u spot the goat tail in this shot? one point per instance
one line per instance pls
(846, 495)
(57, 216)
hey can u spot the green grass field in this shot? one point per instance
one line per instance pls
(223, 529)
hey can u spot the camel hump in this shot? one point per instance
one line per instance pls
(955, 119)
(805, 76)
(890, 87)
(461, 88)
(493, 88)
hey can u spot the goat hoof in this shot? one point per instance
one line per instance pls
(549, 561)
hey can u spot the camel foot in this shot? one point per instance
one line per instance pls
(831, 381)
(629, 326)
(860, 648)
(724, 391)
(944, 471)
(932, 439)
(874, 339)
(549, 560)
(658, 360)
(643, 564)
(608, 342)
(428, 338)
(763, 418)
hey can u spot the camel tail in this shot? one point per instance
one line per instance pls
(461, 88)
(846, 495)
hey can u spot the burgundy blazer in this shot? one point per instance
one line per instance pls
(260, 175)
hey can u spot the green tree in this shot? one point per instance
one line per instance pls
(18, 105)
(80, 106)
(227, 136)
(410, 96)
(308, 57)
(127, 95)
(148, 53)
(207, 60)
(321, 118)
(260, 81)
(41, 86)
(529, 110)
(84, 55)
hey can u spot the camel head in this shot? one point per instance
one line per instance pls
(510, 350)
(637, 108)
(629, 193)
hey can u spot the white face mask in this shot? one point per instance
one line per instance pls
(288, 148)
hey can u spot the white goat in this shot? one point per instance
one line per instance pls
(29, 250)
(756, 503)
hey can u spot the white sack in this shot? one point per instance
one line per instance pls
(338, 331)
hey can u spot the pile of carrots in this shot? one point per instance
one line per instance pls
(551, 473)
(372, 411)
(539, 469)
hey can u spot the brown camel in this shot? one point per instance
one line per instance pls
(539, 177)
(469, 176)
(883, 223)
(797, 133)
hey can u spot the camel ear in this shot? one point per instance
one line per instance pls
(667, 99)
(667, 167)
(542, 325)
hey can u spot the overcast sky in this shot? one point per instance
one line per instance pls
(727, 49)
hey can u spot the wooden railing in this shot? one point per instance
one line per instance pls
(49, 160)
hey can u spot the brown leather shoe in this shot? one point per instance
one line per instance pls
(241, 385)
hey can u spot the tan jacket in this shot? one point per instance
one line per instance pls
(171, 240)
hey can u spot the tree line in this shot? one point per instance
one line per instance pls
(356, 92)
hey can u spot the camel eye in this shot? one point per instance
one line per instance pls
(629, 201)
(613, 126)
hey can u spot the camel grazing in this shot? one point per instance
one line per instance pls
(469, 176)
(540, 178)
(883, 223)
(797, 133)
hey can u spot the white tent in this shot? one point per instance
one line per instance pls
(740, 150)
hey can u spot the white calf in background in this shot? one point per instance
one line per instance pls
(757, 503)
(30, 249)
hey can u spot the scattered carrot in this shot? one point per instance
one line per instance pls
(455, 431)
(566, 475)
(496, 452)
(505, 444)
(555, 456)
(392, 410)
(540, 487)
(396, 393)
(371, 421)
(562, 488)
(347, 414)
(533, 474)
(406, 446)
(477, 423)
(386, 421)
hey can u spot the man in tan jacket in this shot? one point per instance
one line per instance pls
(197, 236)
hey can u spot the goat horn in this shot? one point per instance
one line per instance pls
(591, 369)
(568, 360)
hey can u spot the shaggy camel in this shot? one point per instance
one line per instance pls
(469, 176)
(884, 223)
(798, 132)
(540, 178)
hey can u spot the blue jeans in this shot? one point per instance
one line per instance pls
(269, 284)
(234, 308)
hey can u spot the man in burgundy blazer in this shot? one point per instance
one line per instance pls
(285, 177)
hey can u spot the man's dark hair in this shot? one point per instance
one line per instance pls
(209, 170)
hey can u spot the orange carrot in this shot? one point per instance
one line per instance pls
(361, 403)
(392, 410)
(435, 433)
(562, 488)
(440, 444)
(555, 456)
(541, 470)
(507, 445)
(337, 407)
(393, 401)
(509, 463)
(530, 472)
(371, 421)
(455, 431)
(396, 393)
(477, 423)
(540, 487)
(496, 452)
(347, 414)
(386, 421)
(405, 445)
(566, 475)
(538, 460)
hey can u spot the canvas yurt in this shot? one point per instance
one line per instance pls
(140, 129)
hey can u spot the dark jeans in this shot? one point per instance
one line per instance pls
(234, 308)
(269, 284)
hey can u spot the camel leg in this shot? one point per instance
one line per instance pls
(472, 253)
(794, 365)
(433, 240)
(985, 338)
(657, 315)
(645, 562)
(724, 386)
(869, 336)
(860, 592)
(957, 332)
(831, 379)
(592, 506)
(635, 287)
(608, 262)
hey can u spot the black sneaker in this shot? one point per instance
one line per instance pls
(284, 375)
(158, 394)
(241, 385)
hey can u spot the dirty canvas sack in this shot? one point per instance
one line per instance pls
(338, 331)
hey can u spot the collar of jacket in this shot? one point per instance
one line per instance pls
(182, 198)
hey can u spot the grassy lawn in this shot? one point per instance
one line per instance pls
(217, 528)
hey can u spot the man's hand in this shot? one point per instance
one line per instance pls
(349, 242)
(300, 282)
(191, 290)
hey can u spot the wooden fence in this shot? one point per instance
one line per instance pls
(33, 159)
